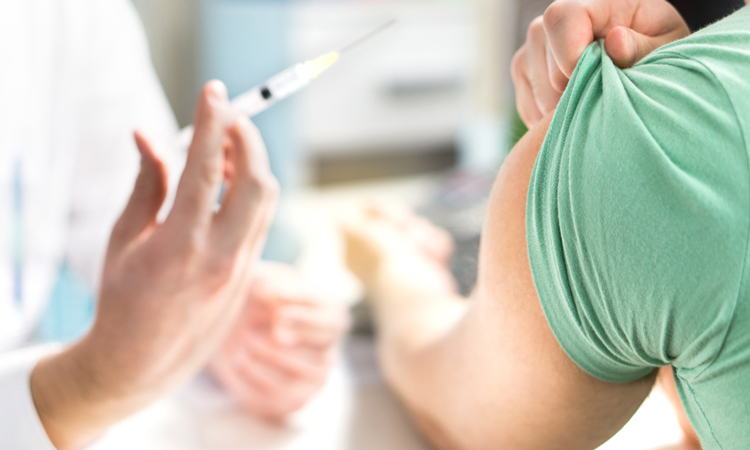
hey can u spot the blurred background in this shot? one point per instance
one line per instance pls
(423, 114)
(432, 93)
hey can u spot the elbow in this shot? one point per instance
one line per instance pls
(434, 429)
(433, 421)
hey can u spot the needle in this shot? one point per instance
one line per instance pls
(285, 83)
(368, 36)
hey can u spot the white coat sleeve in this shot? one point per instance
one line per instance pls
(121, 93)
(20, 426)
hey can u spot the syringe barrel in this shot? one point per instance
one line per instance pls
(248, 104)
(289, 81)
(260, 98)
(252, 102)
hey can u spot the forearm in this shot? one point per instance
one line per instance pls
(419, 342)
(411, 313)
(76, 400)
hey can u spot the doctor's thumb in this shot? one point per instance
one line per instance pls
(147, 198)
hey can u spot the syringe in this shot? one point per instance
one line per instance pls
(282, 85)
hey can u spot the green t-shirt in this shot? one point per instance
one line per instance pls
(638, 220)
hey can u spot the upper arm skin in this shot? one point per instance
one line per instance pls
(504, 380)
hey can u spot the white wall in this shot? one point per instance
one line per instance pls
(171, 28)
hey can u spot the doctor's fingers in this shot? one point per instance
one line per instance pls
(148, 195)
(249, 201)
(199, 186)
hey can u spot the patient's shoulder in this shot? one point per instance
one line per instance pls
(720, 52)
(641, 183)
(725, 42)
(675, 104)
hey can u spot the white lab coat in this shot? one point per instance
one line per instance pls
(75, 80)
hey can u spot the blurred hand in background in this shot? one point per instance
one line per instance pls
(556, 40)
(281, 350)
(386, 241)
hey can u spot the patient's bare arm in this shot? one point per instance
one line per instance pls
(484, 372)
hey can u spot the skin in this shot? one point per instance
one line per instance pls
(282, 348)
(170, 291)
(556, 40)
(487, 372)
(667, 383)
(484, 372)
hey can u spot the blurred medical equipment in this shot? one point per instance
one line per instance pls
(401, 107)
(284, 84)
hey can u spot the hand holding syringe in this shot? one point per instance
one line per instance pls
(282, 85)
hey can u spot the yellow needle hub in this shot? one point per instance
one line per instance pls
(321, 63)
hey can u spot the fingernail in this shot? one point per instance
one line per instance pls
(217, 90)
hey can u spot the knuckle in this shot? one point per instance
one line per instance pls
(190, 246)
(516, 65)
(535, 86)
(248, 132)
(234, 131)
(247, 185)
(556, 13)
(536, 29)
(251, 128)
(546, 104)
(218, 270)
(243, 128)
(559, 81)
(262, 186)
(527, 113)
(209, 171)
(266, 185)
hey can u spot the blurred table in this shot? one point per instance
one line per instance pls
(355, 410)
